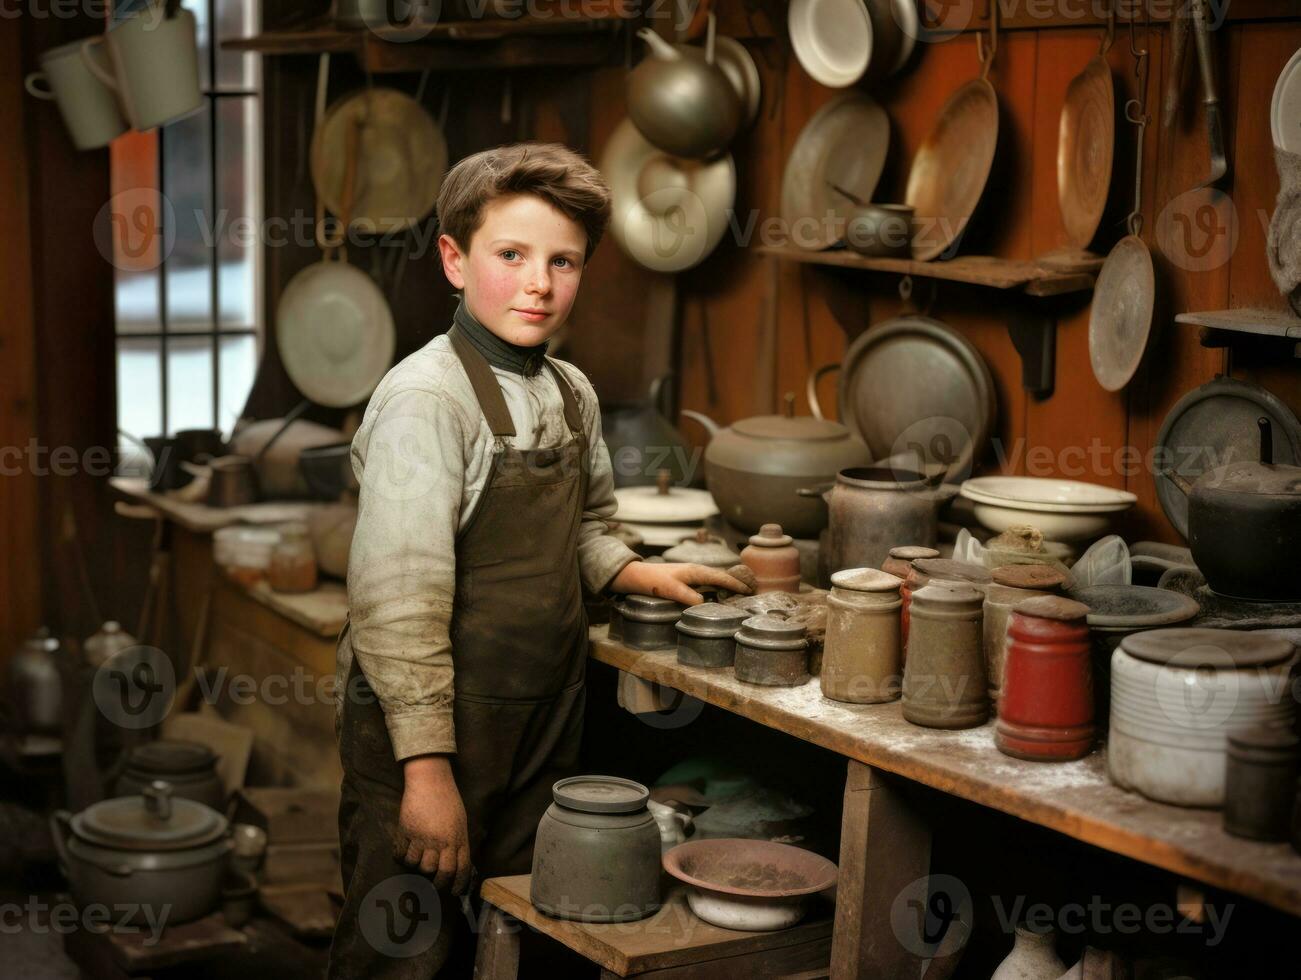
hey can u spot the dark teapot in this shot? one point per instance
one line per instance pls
(642, 441)
(1244, 526)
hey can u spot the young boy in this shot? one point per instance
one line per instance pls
(485, 486)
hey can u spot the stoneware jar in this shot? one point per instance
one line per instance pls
(772, 651)
(597, 856)
(860, 656)
(648, 622)
(1033, 957)
(1011, 584)
(706, 634)
(1175, 696)
(774, 560)
(1259, 783)
(1046, 712)
(189, 768)
(901, 559)
(944, 678)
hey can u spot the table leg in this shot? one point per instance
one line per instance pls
(885, 844)
(497, 957)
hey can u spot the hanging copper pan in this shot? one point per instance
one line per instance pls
(952, 166)
(1086, 138)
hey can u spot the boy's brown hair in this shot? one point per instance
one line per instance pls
(555, 173)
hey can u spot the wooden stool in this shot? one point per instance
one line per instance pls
(672, 944)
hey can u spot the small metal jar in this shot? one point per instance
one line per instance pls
(901, 559)
(1011, 584)
(1260, 779)
(1047, 708)
(861, 660)
(944, 679)
(706, 634)
(774, 559)
(772, 651)
(648, 622)
(597, 855)
(189, 768)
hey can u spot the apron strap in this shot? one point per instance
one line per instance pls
(573, 416)
(486, 389)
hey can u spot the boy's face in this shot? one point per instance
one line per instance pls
(521, 271)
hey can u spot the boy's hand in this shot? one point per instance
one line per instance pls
(432, 832)
(673, 581)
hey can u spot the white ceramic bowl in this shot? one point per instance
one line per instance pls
(1064, 510)
(832, 39)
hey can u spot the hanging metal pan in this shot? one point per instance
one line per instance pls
(1086, 138)
(952, 166)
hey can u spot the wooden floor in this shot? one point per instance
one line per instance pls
(1075, 798)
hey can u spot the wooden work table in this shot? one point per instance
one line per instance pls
(1074, 798)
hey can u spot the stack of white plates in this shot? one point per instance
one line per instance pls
(1175, 696)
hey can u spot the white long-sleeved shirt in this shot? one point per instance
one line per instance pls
(422, 456)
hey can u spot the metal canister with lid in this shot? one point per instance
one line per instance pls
(1046, 712)
(944, 678)
(707, 634)
(597, 855)
(774, 559)
(648, 622)
(1260, 779)
(861, 660)
(1011, 584)
(773, 651)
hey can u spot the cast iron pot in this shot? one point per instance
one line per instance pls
(150, 852)
(756, 468)
(1244, 526)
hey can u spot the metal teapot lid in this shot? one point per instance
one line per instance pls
(152, 821)
(798, 428)
(703, 549)
(172, 757)
(1258, 477)
(1201, 646)
(600, 794)
(866, 580)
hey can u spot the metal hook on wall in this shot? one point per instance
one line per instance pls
(987, 60)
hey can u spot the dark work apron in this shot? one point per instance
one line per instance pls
(519, 649)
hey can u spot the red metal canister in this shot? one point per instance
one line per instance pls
(1046, 711)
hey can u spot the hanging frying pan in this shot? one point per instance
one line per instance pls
(1120, 319)
(1086, 137)
(952, 166)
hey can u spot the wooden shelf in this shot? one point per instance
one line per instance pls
(1073, 798)
(978, 270)
(1220, 326)
(203, 519)
(484, 45)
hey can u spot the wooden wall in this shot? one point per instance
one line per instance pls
(820, 311)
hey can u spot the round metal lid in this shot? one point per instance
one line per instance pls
(803, 428)
(713, 614)
(911, 552)
(1205, 647)
(650, 609)
(600, 794)
(1052, 607)
(914, 381)
(168, 756)
(953, 570)
(771, 627)
(1135, 606)
(1215, 425)
(1042, 577)
(866, 580)
(156, 821)
(646, 505)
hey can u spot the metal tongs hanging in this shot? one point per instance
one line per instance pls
(1196, 11)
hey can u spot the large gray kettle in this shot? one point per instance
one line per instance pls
(681, 103)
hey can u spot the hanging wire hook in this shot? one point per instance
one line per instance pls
(987, 60)
(1136, 113)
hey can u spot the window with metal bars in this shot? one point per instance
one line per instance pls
(188, 296)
